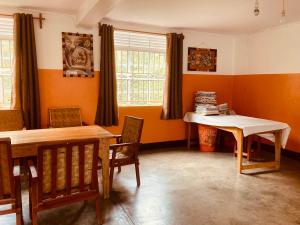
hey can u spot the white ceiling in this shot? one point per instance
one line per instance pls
(62, 6)
(234, 16)
(210, 15)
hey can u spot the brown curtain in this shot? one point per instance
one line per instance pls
(107, 109)
(172, 103)
(25, 94)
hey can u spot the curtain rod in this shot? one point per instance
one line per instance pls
(138, 31)
(40, 18)
(135, 31)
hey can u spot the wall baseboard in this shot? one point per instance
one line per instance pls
(286, 152)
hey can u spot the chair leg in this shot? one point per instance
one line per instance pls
(119, 169)
(30, 206)
(137, 173)
(111, 177)
(19, 218)
(98, 211)
(34, 217)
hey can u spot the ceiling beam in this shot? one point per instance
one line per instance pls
(93, 11)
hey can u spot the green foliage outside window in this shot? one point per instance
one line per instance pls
(6, 62)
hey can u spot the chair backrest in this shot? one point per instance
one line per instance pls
(64, 117)
(132, 129)
(6, 171)
(67, 167)
(11, 120)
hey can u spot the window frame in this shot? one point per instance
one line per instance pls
(157, 91)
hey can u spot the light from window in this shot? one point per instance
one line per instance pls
(140, 67)
(6, 61)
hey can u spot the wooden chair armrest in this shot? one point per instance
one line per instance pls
(32, 170)
(17, 168)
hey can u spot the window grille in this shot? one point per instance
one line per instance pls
(140, 67)
(6, 60)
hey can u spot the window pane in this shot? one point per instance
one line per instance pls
(140, 66)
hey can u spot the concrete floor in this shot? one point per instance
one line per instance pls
(181, 187)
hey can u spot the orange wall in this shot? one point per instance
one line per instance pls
(56, 90)
(272, 96)
(59, 91)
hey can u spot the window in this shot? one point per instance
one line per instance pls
(140, 67)
(6, 61)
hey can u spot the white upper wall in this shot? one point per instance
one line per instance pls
(49, 49)
(276, 50)
(222, 42)
(49, 40)
(272, 51)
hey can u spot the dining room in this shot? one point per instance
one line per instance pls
(149, 112)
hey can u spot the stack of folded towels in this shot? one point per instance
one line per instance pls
(206, 103)
(224, 109)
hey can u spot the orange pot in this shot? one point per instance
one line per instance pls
(207, 138)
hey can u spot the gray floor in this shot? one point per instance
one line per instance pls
(181, 187)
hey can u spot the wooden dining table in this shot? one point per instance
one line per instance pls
(25, 143)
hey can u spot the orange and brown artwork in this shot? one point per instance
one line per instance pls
(202, 59)
(77, 55)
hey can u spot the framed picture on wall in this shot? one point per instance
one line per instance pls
(77, 55)
(202, 59)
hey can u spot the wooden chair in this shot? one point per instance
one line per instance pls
(11, 120)
(66, 173)
(64, 117)
(126, 151)
(10, 188)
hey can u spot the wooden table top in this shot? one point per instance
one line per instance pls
(38, 136)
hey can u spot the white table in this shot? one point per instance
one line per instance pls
(243, 126)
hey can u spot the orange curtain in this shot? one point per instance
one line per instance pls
(107, 108)
(25, 84)
(172, 103)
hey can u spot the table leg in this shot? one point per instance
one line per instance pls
(278, 136)
(238, 134)
(189, 135)
(104, 155)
